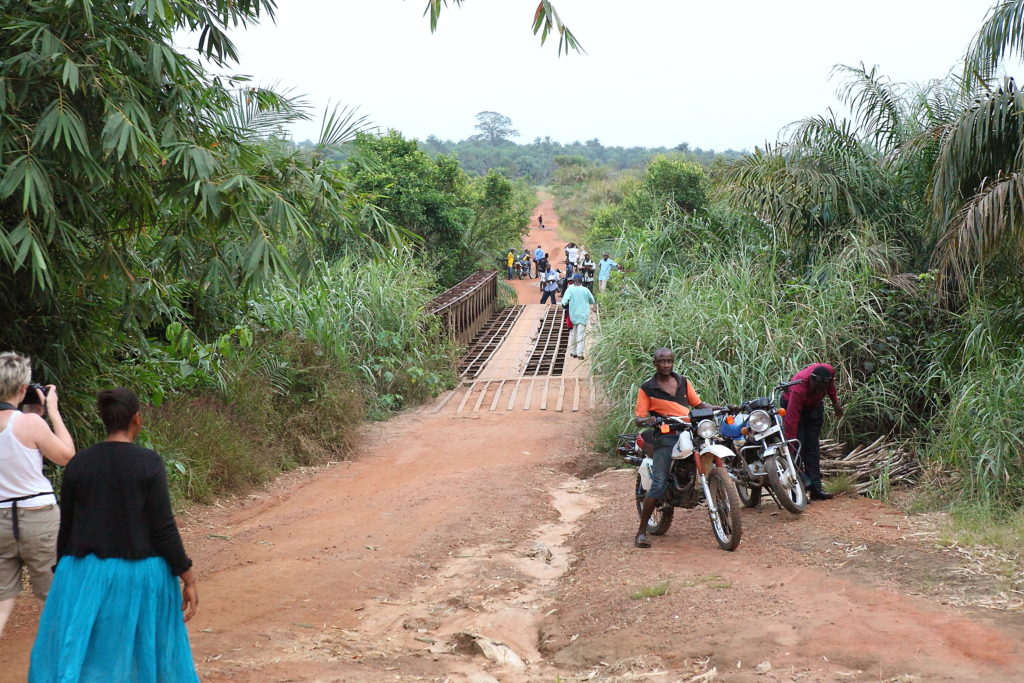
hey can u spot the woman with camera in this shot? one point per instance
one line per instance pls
(29, 517)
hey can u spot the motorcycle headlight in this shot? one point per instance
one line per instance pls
(759, 421)
(706, 429)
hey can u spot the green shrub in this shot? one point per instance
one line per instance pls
(209, 450)
(283, 405)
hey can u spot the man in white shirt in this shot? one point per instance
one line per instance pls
(572, 252)
(549, 285)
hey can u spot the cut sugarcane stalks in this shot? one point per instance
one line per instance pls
(865, 465)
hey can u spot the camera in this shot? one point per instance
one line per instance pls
(31, 397)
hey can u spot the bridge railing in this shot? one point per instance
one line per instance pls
(465, 308)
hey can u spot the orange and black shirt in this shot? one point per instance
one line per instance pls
(652, 400)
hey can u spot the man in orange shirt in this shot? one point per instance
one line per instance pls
(666, 394)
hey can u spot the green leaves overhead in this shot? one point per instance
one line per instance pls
(977, 187)
(112, 140)
(545, 21)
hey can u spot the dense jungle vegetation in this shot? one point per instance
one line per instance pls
(887, 242)
(160, 232)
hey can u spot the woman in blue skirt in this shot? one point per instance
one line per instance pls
(114, 612)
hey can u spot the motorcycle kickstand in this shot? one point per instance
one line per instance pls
(775, 499)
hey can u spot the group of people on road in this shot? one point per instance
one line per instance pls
(669, 394)
(106, 562)
(576, 288)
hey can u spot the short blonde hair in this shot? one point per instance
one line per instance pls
(15, 371)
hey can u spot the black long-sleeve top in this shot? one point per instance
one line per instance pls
(115, 503)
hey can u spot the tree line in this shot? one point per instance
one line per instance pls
(537, 162)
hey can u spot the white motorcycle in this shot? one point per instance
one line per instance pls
(767, 460)
(693, 478)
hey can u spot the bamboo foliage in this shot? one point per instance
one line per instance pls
(545, 22)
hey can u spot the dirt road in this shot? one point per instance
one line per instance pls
(460, 546)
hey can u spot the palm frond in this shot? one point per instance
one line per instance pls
(1001, 36)
(263, 112)
(876, 103)
(340, 125)
(990, 224)
(983, 143)
(545, 21)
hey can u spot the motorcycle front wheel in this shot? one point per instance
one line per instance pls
(661, 518)
(787, 486)
(728, 527)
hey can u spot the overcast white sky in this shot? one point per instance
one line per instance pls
(716, 74)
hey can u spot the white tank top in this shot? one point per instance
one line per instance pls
(21, 471)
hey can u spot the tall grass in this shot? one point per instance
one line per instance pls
(353, 341)
(577, 202)
(370, 317)
(738, 322)
(979, 431)
(741, 315)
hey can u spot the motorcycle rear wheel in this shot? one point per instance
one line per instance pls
(728, 528)
(787, 487)
(750, 494)
(661, 518)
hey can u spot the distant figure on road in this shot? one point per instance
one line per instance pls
(604, 271)
(540, 221)
(578, 300)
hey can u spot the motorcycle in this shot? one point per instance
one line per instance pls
(697, 474)
(766, 459)
(521, 269)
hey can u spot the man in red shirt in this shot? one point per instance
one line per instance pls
(805, 411)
